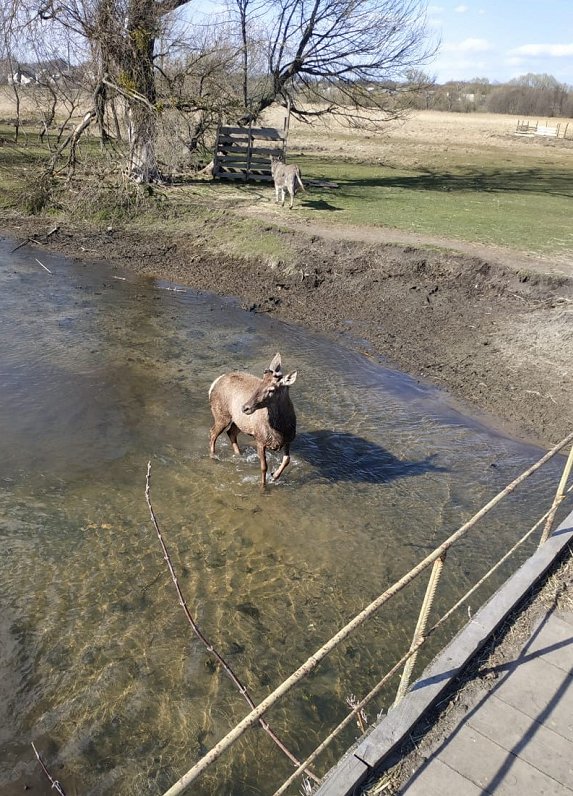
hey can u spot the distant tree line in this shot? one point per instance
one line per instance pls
(528, 95)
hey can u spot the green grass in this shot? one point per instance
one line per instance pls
(525, 208)
(516, 197)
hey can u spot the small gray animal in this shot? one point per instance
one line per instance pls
(285, 177)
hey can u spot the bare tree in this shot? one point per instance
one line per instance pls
(8, 14)
(531, 95)
(334, 53)
(337, 52)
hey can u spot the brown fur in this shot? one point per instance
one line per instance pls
(261, 408)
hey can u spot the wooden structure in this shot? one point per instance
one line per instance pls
(244, 153)
(531, 129)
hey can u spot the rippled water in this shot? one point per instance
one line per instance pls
(98, 375)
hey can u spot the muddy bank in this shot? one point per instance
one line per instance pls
(498, 338)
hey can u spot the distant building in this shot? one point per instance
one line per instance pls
(22, 77)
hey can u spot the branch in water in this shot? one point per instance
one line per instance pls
(55, 784)
(228, 670)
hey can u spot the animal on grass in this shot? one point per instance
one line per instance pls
(285, 177)
(261, 408)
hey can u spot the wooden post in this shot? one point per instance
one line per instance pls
(559, 495)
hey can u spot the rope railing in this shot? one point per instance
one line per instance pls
(420, 636)
(405, 659)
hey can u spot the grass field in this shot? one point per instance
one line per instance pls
(460, 176)
(465, 176)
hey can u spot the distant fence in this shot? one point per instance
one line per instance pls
(244, 153)
(559, 130)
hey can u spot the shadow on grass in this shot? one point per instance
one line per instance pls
(535, 180)
(319, 204)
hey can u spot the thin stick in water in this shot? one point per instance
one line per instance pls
(42, 264)
(55, 784)
(210, 648)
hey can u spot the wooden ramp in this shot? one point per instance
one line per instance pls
(243, 153)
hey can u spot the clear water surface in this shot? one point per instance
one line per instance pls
(100, 372)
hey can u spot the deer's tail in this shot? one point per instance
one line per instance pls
(298, 177)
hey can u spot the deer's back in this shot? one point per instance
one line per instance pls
(230, 392)
(285, 176)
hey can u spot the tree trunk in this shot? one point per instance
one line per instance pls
(142, 131)
(139, 82)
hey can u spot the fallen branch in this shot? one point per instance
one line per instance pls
(209, 647)
(19, 246)
(33, 240)
(43, 266)
(55, 784)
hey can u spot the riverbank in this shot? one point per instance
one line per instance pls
(497, 337)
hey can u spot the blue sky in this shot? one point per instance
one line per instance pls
(502, 39)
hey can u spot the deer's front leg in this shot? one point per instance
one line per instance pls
(261, 450)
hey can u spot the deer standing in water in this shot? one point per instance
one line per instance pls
(261, 408)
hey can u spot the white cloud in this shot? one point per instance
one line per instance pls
(468, 46)
(461, 9)
(551, 50)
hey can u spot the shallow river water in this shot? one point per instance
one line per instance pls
(102, 371)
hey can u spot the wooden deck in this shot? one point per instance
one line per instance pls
(517, 739)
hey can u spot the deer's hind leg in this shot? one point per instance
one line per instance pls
(285, 462)
(219, 425)
(232, 433)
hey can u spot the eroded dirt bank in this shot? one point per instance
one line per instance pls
(498, 338)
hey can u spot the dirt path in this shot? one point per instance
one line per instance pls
(399, 237)
(497, 336)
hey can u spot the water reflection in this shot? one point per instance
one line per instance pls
(97, 665)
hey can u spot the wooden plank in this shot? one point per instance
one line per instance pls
(260, 152)
(233, 142)
(266, 151)
(253, 132)
(267, 133)
(345, 778)
(234, 131)
(228, 143)
(227, 175)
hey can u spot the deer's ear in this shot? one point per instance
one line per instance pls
(289, 379)
(275, 366)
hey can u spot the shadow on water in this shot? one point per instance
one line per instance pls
(342, 456)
